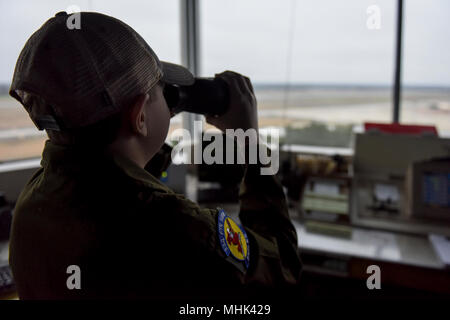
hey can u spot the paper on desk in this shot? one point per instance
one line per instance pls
(386, 245)
(383, 192)
(442, 247)
(372, 244)
(326, 189)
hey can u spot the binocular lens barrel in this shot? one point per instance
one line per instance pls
(208, 96)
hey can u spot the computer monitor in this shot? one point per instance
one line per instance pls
(428, 185)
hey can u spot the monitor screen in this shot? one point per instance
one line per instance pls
(436, 189)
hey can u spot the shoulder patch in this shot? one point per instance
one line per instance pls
(232, 238)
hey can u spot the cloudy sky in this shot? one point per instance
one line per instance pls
(299, 41)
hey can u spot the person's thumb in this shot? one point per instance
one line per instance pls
(210, 120)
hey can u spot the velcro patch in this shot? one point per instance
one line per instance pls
(232, 238)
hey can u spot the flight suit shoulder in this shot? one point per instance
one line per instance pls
(207, 230)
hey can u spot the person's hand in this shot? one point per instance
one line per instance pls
(242, 111)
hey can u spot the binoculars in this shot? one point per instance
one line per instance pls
(207, 96)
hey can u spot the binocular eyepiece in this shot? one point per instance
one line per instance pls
(207, 96)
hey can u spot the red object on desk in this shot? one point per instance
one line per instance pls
(395, 128)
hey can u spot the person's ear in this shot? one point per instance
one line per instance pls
(138, 116)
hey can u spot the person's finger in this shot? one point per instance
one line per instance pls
(247, 88)
(232, 81)
(243, 81)
(242, 85)
(208, 120)
(212, 121)
(249, 84)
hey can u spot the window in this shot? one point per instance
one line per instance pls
(156, 21)
(426, 64)
(317, 68)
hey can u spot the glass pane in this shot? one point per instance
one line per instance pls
(317, 68)
(426, 61)
(156, 21)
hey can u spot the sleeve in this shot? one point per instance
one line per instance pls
(271, 246)
(273, 239)
(160, 161)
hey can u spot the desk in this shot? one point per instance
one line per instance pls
(376, 245)
(405, 260)
(7, 292)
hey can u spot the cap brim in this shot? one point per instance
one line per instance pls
(176, 74)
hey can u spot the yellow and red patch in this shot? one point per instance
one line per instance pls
(233, 238)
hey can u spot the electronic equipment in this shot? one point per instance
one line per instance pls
(7, 284)
(208, 96)
(428, 189)
(5, 218)
(380, 197)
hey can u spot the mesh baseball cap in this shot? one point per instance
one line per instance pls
(85, 75)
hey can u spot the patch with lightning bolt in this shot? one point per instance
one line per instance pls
(233, 238)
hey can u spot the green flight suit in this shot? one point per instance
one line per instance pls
(133, 237)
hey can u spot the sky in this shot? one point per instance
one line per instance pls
(295, 41)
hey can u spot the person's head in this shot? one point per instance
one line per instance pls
(96, 86)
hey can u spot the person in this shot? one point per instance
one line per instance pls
(93, 222)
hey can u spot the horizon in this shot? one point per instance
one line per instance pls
(320, 43)
(4, 87)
